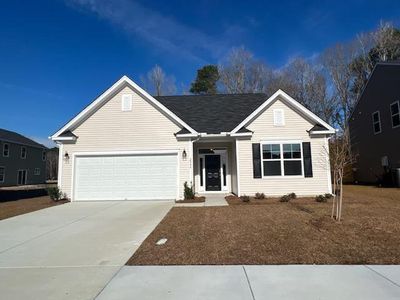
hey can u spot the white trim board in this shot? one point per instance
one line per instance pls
(104, 97)
(291, 101)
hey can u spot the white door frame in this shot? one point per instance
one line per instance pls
(223, 154)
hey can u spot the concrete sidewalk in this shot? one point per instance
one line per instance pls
(255, 282)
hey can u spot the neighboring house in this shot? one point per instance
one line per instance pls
(22, 161)
(375, 125)
(130, 145)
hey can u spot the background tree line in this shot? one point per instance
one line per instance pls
(328, 85)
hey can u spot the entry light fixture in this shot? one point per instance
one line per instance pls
(66, 156)
(184, 155)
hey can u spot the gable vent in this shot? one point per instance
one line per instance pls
(279, 117)
(126, 103)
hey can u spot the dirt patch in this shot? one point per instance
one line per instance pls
(298, 232)
(19, 207)
(196, 199)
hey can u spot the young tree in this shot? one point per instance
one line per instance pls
(206, 80)
(158, 83)
(241, 73)
(340, 158)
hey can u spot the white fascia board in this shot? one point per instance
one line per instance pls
(103, 97)
(286, 97)
(185, 135)
(322, 132)
(242, 134)
(222, 134)
(63, 138)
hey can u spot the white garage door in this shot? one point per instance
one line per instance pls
(126, 177)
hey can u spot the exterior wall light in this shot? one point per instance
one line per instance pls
(184, 154)
(66, 156)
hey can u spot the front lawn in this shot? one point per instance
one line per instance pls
(298, 232)
(14, 208)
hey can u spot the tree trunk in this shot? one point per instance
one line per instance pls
(334, 197)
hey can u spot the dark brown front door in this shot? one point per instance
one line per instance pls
(213, 172)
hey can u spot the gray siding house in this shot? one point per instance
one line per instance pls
(22, 160)
(375, 125)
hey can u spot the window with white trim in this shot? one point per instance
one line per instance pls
(6, 150)
(36, 171)
(126, 102)
(282, 159)
(395, 113)
(376, 121)
(2, 174)
(279, 117)
(23, 152)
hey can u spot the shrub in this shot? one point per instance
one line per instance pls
(245, 198)
(259, 196)
(55, 193)
(288, 197)
(321, 198)
(285, 198)
(328, 196)
(188, 191)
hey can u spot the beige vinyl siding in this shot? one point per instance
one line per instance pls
(295, 128)
(110, 129)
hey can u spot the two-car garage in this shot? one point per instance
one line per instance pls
(125, 176)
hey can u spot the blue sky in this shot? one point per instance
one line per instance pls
(56, 56)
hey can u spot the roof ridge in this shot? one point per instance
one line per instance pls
(210, 95)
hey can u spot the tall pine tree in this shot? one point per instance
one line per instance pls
(206, 80)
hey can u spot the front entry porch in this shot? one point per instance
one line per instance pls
(214, 167)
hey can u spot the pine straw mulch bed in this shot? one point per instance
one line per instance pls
(298, 232)
(14, 208)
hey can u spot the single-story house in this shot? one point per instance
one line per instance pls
(129, 145)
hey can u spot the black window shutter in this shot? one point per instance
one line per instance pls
(256, 161)
(307, 159)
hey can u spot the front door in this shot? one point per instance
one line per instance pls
(213, 172)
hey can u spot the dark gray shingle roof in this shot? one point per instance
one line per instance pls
(213, 113)
(67, 133)
(318, 127)
(14, 137)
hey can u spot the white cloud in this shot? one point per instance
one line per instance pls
(161, 31)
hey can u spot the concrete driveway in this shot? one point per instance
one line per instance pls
(73, 250)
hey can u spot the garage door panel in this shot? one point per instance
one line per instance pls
(128, 177)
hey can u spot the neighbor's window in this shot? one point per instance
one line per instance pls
(282, 159)
(44, 155)
(2, 174)
(36, 171)
(23, 152)
(376, 120)
(6, 150)
(395, 112)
